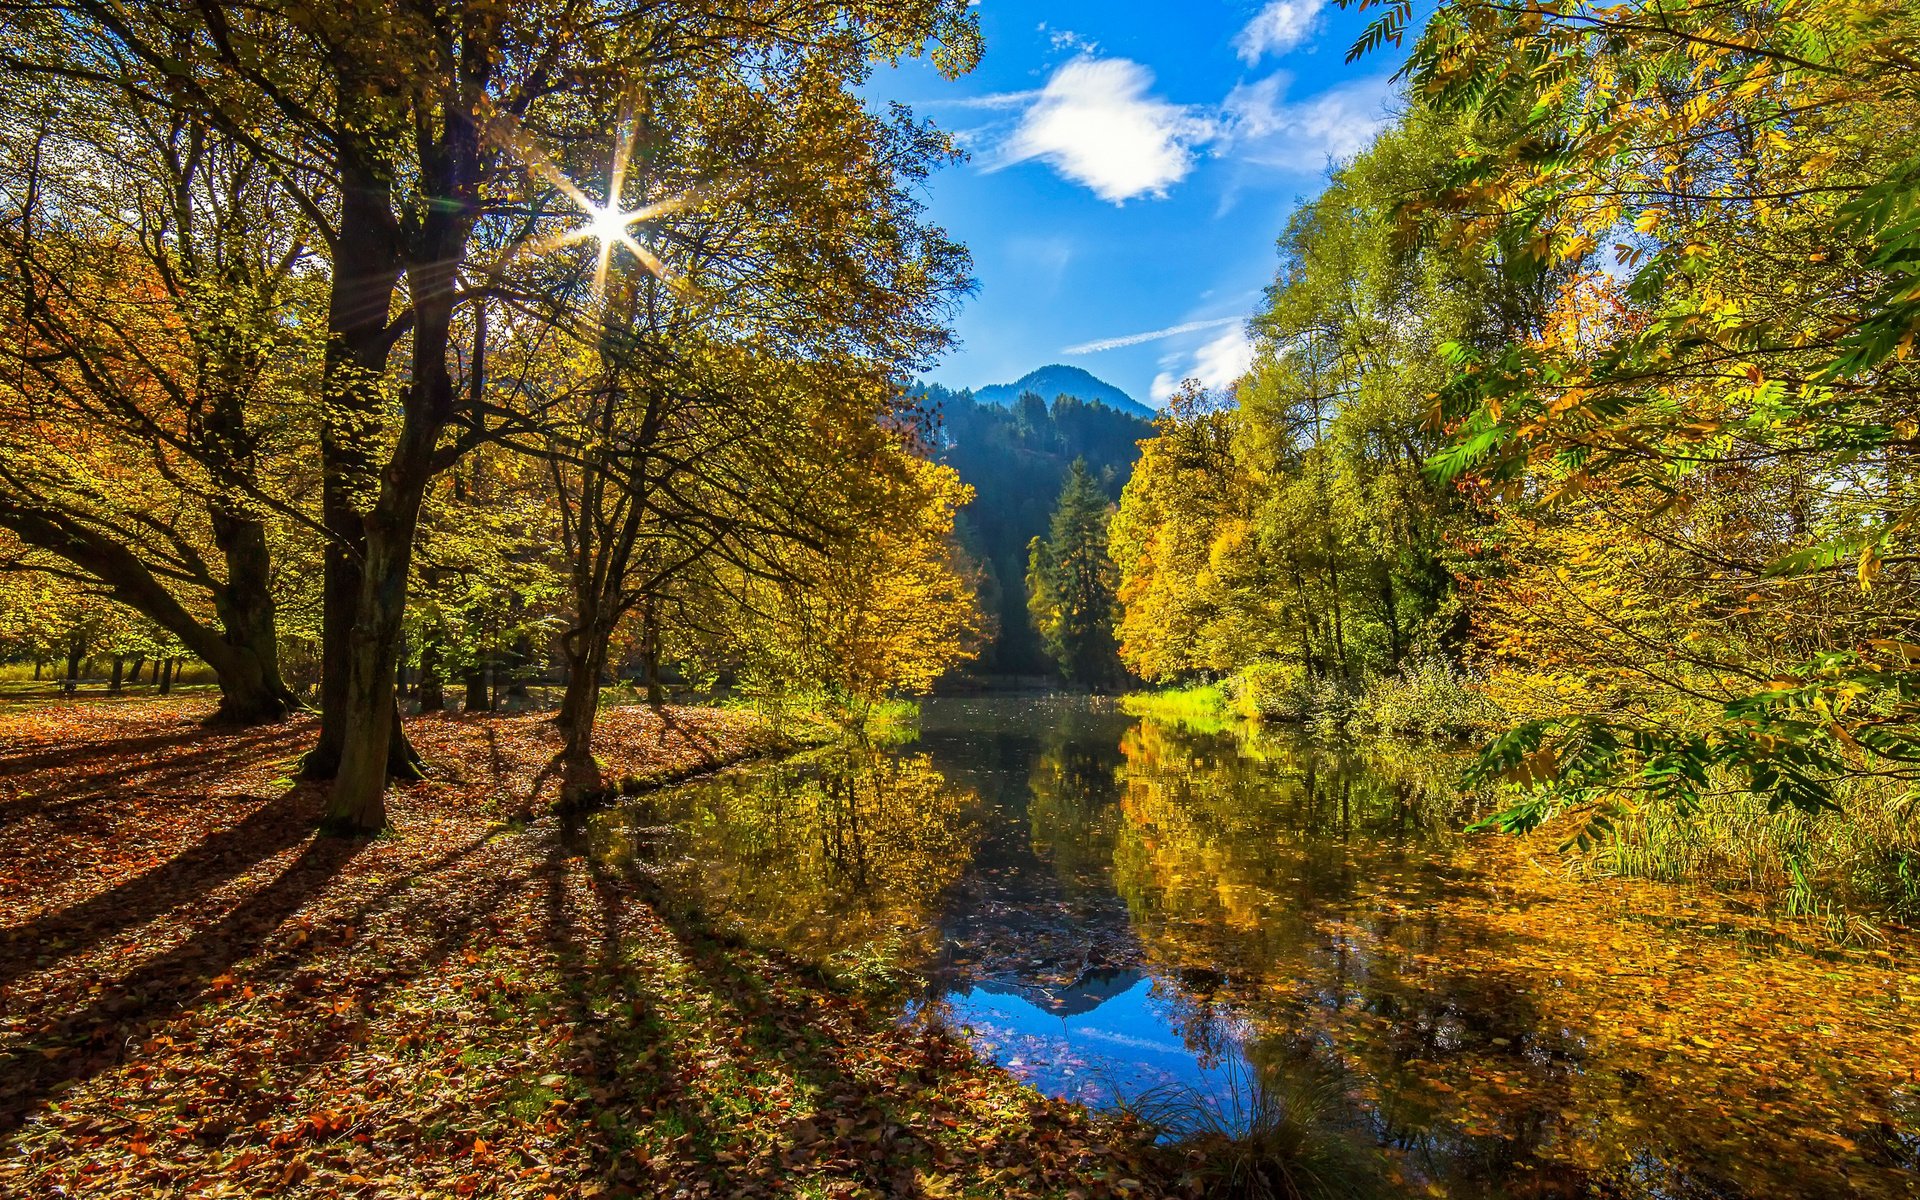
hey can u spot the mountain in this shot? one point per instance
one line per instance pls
(1016, 457)
(1057, 380)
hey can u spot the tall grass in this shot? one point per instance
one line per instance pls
(1839, 871)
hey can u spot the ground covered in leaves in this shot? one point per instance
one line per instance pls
(200, 996)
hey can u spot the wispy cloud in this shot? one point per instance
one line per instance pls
(1067, 39)
(1097, 124)
(1216, 364)
(1265, 128)
(1137, 339)
(1278, 28)
(991, 101)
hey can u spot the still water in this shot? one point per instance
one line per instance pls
(1213, 921)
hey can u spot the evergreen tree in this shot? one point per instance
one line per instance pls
(1070, 584)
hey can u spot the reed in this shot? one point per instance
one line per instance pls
(1843, 872)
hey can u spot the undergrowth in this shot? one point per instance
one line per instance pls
(1841, 872)
(1427, 697)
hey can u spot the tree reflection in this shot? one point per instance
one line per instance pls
(1499, 1030)
(1494, 1027)
(828, 852)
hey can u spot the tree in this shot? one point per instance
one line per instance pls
(883, 609)
(1184, 493)
(1732, 395)
(722, 402)
(1071, 583)
(153, 371)
(1291, 525)
(400, 133)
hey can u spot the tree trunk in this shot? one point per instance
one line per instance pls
(119, 674)
(155, 678)
(76, 646)
(370, 728)
(479, 696)
(520, 659)
(366, 276)
(430, 690)
(650, 654)
(1390, 616)
(133, 672)
(357, 803)
(242, 653)
(166, 678)
(36, 670)
(586, 653)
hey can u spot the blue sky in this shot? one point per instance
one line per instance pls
(1131, 167)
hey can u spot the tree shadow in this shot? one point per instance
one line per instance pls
(215, 860)
(707, 746)
(70, 775)
(75, 1046)
(773, 1029)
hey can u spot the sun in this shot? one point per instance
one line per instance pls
(609, 225)
(606, 222)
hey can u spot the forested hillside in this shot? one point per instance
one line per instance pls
(1017, 459)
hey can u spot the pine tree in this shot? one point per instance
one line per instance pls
(1070, 584)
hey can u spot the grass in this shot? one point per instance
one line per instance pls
(1202, 708)
(818, 718)
(1840, 872)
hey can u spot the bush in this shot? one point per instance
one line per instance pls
(1430, 697)
(1269, 690)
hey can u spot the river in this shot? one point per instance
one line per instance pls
(1222, 924)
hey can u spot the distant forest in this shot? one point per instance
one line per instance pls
(1017, 459)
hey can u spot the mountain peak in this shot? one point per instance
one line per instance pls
(1058, 379)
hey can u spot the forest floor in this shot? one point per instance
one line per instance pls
(199, 996)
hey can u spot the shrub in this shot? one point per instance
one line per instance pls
(1430, 697)
(1269, 690)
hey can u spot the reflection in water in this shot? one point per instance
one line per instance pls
(837, 851)
(1110, 906)
(1111, 1035)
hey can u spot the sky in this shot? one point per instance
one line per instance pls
(1131, 166)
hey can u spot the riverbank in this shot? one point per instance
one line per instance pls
(201, 995)
(1851, 874)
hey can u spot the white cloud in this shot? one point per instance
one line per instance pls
(1217, 364)
(1266, 129)
(1067, 39)
(1096, 124)
(1221, 362)
(1278, 28)
(1136, 339)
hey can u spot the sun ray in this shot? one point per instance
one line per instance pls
(605, 221)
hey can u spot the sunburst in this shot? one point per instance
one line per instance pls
(605, 221)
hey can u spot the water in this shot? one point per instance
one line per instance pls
(1219, 924)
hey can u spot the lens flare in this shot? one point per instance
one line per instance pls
(605, 221)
